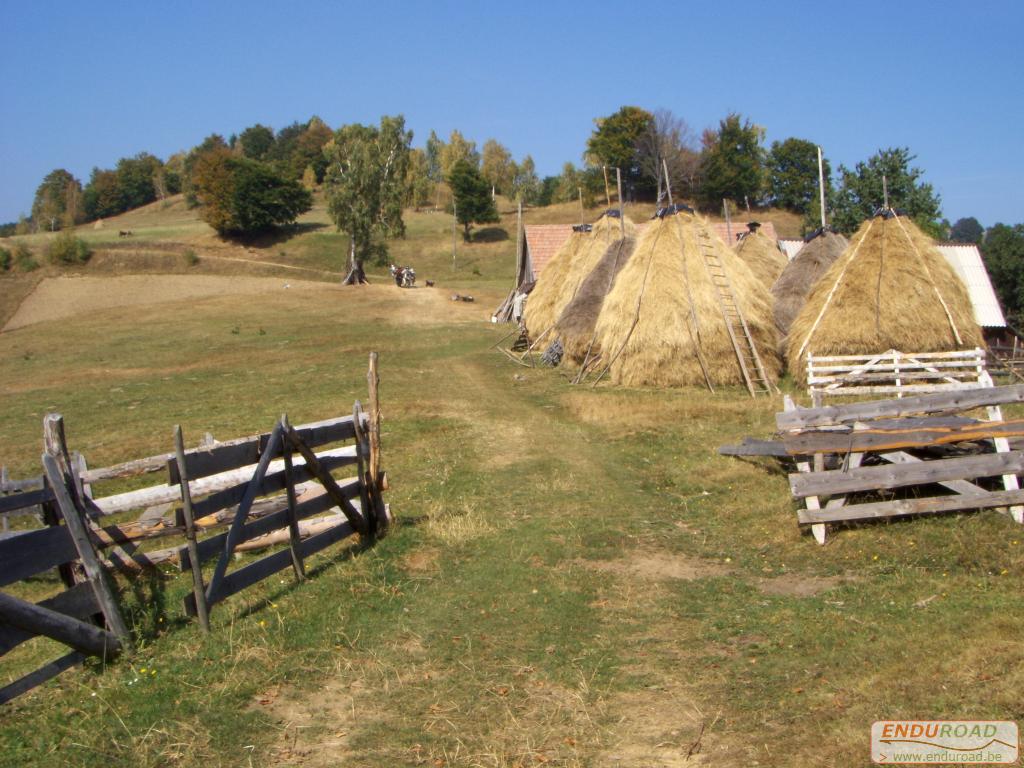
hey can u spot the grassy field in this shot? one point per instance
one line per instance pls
(575, 578)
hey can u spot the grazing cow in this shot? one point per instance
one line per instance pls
(124, 233)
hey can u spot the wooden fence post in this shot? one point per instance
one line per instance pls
(57, 466)
(376, 479)
(294, 540)
(198, 588)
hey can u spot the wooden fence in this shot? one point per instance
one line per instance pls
(264, 490)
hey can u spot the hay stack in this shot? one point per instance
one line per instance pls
(565, 272)
(576, 324)
(542, 307)
(646, 322)
(891, 289)
(802, 274)
(764, 257)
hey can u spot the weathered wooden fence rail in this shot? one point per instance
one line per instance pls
(217, 499)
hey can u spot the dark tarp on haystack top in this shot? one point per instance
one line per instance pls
(790, 290)
(891, 289)
(662, 324)
(558, 283)
(762, 254)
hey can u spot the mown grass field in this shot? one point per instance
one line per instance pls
(575, 578)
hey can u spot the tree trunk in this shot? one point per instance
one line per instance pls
(355, 276)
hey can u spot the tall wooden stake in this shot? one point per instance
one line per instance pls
(728, 222)
(455, 222)
(668, 183)
(519, 245)
(583, 214)
(821, 188)
(618, 185)
(607, 194)
(198, 588)
(885, 192)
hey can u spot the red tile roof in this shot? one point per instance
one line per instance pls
(543, 242)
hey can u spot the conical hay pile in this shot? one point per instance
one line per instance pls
(542, 308)
(763, 256)
(891, 289)
(802, 274)
(645, 328)
(606, 231)
(576, 325)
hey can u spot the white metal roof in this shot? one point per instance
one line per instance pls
(791, 246)
(966, 262)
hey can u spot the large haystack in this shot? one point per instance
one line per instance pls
(891, 289)
(543, 307)
(802, 274)
(663, 309)
(764, 257)
(576, 324)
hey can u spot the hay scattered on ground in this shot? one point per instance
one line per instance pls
(802, 274)
(576, 325)
(646, 323)
(764, 257)
(884, 293)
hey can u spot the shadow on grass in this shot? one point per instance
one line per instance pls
(489, 235)
(277, 236)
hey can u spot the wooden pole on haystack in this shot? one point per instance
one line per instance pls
(821, 187)
(728, 222)
(618, 185)
(885, 192)
(583, 215)
(607, 194)
(519, 245)
(668, 183)
(455, 222)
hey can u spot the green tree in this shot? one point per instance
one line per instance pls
(135, 177)
(497, 167)
(432, 150)
(615, 142)
(67, 249)
(526, 186)
(860, 192)
(213, 141)
(458, 148)
(472, 194)
(367, 168)
(1003, 253)
(569, 183)
(102, 195)
(793, 174)
(256, 141)
(967, 230)
(548, 187)
(56, 203)
(732, 165)
(241, 196)
(419, 187)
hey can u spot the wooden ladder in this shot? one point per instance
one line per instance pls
(751, 368)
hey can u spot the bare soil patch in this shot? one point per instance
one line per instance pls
(796, 585)
(660, 566)
(314, 730)
(657, 728)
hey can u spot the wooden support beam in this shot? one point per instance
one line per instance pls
(87, 638)
(358, 521)
(198, 588)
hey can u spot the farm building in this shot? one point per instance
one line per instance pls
(891, 289)
(686, 310)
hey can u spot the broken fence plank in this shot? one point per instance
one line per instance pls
(753, 447)
(39, 620)
(901, 475)
(890, 440)
(960, 400)
(78, 602)
(902, 507)
(40, 676)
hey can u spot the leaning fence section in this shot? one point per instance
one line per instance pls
(276, 491)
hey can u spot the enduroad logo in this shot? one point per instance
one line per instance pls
(960, 742)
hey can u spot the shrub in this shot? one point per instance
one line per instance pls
(68, 249)
(5, 259)
(23, 258)
(191, 257)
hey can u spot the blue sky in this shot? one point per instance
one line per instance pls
(88, 83)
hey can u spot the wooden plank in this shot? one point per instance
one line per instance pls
(23, 485)
(753, 447)
(204, 462)
(965, 366)
(359, 522)
(957, 486)
(143, 466)
(890, 440)
(951, 355)
(198, 588)
(902, 507)
(943, 402)
(40, 676)
(33, 552)
(272, 483)
(78, 602)
(14, 502)
(896, 389)
(171, 494)
(901, 475)
(293, 521)
(248, 575)
(54, 425)
(209, 547)
(38, 620)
